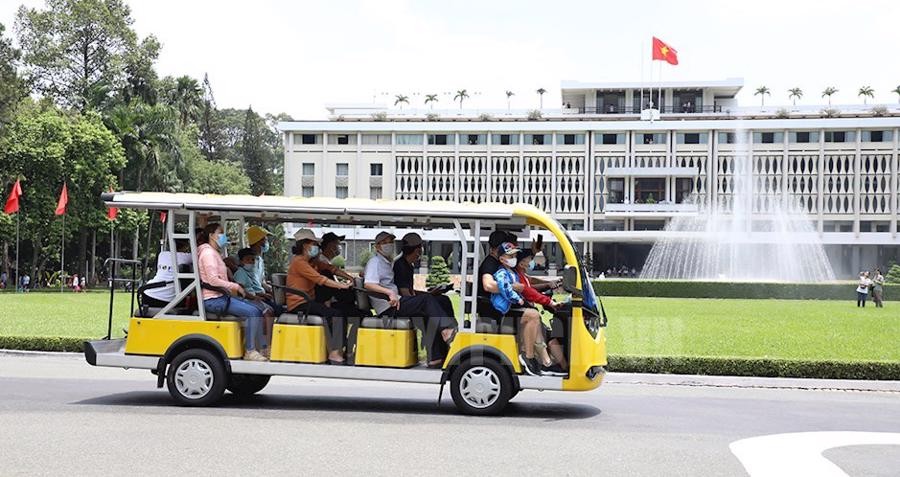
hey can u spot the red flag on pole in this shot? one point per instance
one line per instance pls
(63, 201)
(664, 52)
(12, 203)
(162, 216)
(112, 212)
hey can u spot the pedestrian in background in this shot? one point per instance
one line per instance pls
(878, 289)
(862, 290)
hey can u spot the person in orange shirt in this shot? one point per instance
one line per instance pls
(303, 275)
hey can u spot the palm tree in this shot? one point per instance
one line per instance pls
(186, 96)
(796, 93)
(897, 92)
(540, 93)
(401, 99)
(828, 92)
(430, 99)
(149, 137)
(461, 95)
(762, 91)
(866, 92)
(510, 94)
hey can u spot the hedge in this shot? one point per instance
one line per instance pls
(762, 367)
(710, 289)
(712, 366)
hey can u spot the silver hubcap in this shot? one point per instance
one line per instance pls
(193, 379)
(480, 387)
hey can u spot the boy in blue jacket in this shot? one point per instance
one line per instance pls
(506, 297)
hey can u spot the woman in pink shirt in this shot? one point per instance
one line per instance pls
(213, 272)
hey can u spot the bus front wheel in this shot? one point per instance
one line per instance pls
(246, 385)
(196, 377)
(482, 388)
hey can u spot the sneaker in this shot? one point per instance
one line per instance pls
(530, 365)
(266, 352)
(254, 355)
(553, 370)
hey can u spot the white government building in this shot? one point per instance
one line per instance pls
(611, 175)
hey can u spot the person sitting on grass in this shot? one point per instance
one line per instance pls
(507, 296)
(557, 365)
(247, 277)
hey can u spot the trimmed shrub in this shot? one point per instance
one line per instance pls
(763, 367)
(438, 272)
(42, 343)
(753, 290)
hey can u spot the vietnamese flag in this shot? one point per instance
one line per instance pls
(112, 212)
(12, 203)
(664, 52)
(63, 201)
(163, 216)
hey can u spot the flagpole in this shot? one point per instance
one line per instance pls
(62, 261)
(18, 212)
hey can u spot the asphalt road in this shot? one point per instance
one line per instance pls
(59, 415)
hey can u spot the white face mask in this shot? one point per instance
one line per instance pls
(387, 249)
(510, 262)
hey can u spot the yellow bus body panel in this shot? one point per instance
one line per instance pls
(386, 347)
(298, 343)
(585, 351)
(153, 337)
(505, 344)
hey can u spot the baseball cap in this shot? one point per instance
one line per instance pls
(256, 233)
(524, 253)
(508, 248)
(412, 239)
(305, 234)
(384, 235)
(332, 237)
(496, 238)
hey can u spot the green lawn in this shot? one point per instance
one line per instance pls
(817, 330)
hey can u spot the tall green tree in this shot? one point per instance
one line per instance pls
(75, 51)
(461, 95)
(829, 91)
(762, 91)
(185, 95)
(12, 87)
(795, 94)
(256, 156)
(866, 92)
(149, 136)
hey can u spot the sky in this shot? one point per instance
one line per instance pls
(298, 56)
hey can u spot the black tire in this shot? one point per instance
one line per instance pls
(246, 385)
(489, 371)
(207, 371)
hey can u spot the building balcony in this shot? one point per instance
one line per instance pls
(659, 209)
(651, 172)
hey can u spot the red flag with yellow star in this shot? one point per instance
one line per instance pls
(664, 52)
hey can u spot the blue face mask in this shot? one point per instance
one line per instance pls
(249, 267)
(313, 251)
(531, 266)
(222, 240)
(265, 247)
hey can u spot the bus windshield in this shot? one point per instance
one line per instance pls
(589, 298)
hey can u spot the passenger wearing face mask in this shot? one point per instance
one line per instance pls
(302, 275)
(425, 310)
(246, 277)
(552, 338)
(212, 270)
(509, 295)
(258, 238)
(330, 247)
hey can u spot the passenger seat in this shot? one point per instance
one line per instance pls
(280, 280)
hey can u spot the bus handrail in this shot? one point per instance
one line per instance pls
(113, 279)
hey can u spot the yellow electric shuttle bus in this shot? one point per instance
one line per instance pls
(198, 354)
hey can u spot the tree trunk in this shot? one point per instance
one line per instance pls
(93, 275)
(82, 251)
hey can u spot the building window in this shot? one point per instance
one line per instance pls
(649, 224)
(610, 138)
(692, 138)
(683, 189)
(474, 139)
(537, 139)
(341, 192)
(376, 139)
(505, 139)
(768, 137)
(342, 169)
(376, 169)
(727, 138)
(649, 190)
(441, 140)
(876, 136)
(307, 139)
(616, 193)
(804, 137)
(342, 139)
(309, 169)
(375, 193)
(839, 136)
(409, 139)
(570, 139)
(307, 191)
(652, 138)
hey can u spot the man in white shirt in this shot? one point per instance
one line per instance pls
(167, 265)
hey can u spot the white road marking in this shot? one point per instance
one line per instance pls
(800, 454)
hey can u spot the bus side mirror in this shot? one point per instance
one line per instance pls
(570, 278)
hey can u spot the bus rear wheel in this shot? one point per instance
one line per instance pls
(196, 377)
(481, 389)
(246, 385)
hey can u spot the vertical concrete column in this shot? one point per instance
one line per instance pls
(857, 186)
(893, 183)
(820, 182)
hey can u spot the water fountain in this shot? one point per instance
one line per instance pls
(727, 240)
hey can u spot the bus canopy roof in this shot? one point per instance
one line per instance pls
(340, 211)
